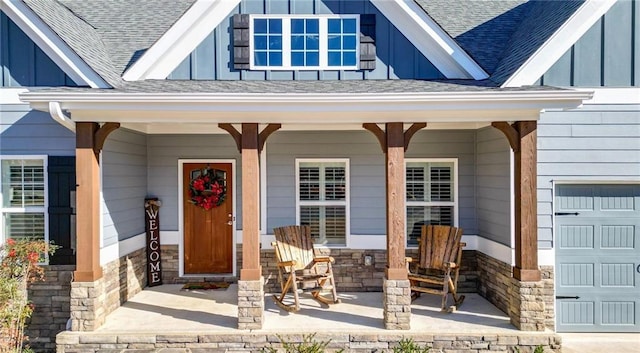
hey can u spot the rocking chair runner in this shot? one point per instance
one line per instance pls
(436, 271)
(300, 269)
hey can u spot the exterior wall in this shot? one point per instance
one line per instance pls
(493, 179)
(23, 63)
(24, 131)
(396, 56)
(595, 143)
(124, 185)
(606, 55)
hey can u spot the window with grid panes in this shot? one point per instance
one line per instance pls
(430, 196)
(23, 198)
(322, 200)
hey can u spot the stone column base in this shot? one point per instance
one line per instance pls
(397, 304)
(251, 304)
(527, 305)
(87, 310)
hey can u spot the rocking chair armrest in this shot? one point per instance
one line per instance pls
(463, 244)
(450, 265)
(324, 259)
(408, 259)
(287, 263)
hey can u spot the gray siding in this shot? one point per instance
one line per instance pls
(163, 153)
(493, 186)
(396, 56)
(26, 131)
(366, 165)
(596, 142)
(23, 63)
(124, 185)
(608, 54)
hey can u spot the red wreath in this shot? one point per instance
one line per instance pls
(207, 190)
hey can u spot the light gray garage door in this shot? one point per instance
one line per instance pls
(597, 258)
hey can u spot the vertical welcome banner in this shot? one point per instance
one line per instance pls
(152, 228)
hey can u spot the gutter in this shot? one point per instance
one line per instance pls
(58, 115)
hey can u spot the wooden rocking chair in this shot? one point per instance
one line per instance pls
(300, 269)
(436, 271)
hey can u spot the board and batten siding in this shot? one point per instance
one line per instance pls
(599, 143)
(24, 64)
(163, 154)
(608, 54)
(367, 172)
(397, 58)
(124, 185)
(493, 196)
(26, 132)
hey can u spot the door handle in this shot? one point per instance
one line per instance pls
(566, 213)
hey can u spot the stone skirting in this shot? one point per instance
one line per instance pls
(396, 303)
(253, 342)
(251, 304)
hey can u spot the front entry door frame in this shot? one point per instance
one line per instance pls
(181, 163)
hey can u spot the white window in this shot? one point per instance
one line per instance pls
(24, 198)
(431, 186)
(319, 42)
(323, 199)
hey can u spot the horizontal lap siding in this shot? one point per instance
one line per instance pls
(24, 131)
(163, 153)
(124, 185)
(493, 186)
(597, 142)
(367, 172)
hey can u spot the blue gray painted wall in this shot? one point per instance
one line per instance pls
(23, 63)
(597, 143)
(607, 55)
(396, 56)
(124, 185)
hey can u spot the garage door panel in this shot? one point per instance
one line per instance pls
(597, 237)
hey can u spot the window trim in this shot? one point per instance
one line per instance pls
(286, 42)
(44, 208)
(346, 202)
(455, 204)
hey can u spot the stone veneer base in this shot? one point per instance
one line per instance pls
(251, 304)
(254, 342)
(396, 303)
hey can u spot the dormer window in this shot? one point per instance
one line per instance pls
(290, 42)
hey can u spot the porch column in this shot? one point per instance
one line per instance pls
(526, 302)
(251, 284)
(87, 290)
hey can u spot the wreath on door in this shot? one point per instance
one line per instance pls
(207, 190)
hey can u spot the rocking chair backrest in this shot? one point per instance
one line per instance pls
(294, 243)
(438, 245)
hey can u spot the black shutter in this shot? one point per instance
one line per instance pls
(62, 181)
(241, 52)
(367, 42)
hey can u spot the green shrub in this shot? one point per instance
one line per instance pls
(407, 345)
(308, 345)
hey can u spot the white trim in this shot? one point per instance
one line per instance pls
(558, 44)
(52, 45)
(603, 95)
(11, 95)
(596, 180)
(546, 257)
(180, 39)
(122, 248)
(234, 234)
(512, 201)
(347, 194)
(431, 40)
(263, 190)
(169, 237)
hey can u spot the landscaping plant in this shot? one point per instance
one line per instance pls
(407, 345)
(308, 345)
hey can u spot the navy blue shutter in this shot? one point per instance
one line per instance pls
(367, 42)
(62, 181)
(241, 51)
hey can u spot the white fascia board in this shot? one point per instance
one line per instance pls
(180, 40)
(52, 45)
(430, 39)
(558, 44)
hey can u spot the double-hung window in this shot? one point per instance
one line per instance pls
(431, 191)
(23, 188)
(323, 198)
(293, 42)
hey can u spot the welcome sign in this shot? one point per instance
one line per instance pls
(152, 228)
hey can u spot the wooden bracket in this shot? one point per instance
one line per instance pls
(262, 137)
(512, 134)
(378, 133)
(264, 134)
(410, 132)
(101, 135)
(237, 137)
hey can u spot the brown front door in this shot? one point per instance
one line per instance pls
(208, 234)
